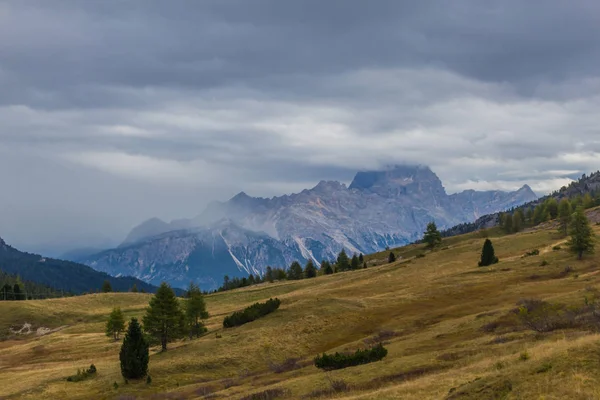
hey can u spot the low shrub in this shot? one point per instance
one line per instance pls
(534, 252)
(82, 374)
(251, 313)
(524, 356)
(544, 263)
(556, 248)
(566, 271)
(421, 255)
(289, 364)
(339, 361)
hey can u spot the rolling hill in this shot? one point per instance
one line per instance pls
(451, 329)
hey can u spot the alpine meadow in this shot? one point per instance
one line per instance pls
(301, 199)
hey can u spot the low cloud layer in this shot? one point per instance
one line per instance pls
(113, 112)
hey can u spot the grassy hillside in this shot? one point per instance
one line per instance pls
(447, 325)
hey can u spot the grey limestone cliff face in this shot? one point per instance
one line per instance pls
(246, 234)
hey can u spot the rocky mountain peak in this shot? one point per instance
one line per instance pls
(400, 180)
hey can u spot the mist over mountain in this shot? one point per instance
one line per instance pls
(246, 234)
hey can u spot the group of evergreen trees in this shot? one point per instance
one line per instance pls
(251, 313)
(574, 224)
(166, 320)
(296, 271)
(12, 287)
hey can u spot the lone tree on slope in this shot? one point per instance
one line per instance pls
(432, 237)
(488, 256)
(134, 354)
(115, 324)
(582, 236)
(164, 319)
(106, 287)
(391, 257)
(195, 311)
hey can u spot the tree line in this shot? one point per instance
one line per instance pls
(13, 288)
(295, 271)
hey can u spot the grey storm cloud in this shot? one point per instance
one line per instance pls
(115, 111)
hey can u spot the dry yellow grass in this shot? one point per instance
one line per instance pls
(436, 305)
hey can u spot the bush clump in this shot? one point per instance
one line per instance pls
(534, 252)
(255, 311)
(82, 374)
(339, 361)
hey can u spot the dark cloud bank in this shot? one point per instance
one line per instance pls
(115, 111)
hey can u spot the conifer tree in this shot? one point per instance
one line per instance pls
(195, 310)
(343, 262)
(582, 236)
(517, 221)
(134, 355)
(326, 267)
(164, 319)
(354, 263)
(134, 288)
(508, 223)
(115, 324)
(269, 274)
(106, 287)
(565, 213)
(488, 256)
(361, 258)
(391, 257)
(588, 201)
(552, 208)
(432, 236)
(295, 272)
(310, 271)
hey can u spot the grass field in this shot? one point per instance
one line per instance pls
(429, 311)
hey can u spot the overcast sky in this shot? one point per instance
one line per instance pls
(112, 112)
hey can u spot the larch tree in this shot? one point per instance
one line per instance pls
(195, 311)
(582, 236)
(115, 324)
(164, 320)
(565, 212)
(432, 237)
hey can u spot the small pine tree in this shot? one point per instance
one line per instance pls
(565, 211)
(354, 263)
(295, 272)
(115, 324)
(164, 320)
(343, 262)
(195, 311)
(134, 288)
(106, 287)
(365, 265)
(269, 274)
(582, 236)
(488, 256)
(391, 257)
(327, 268)
(432, 236)
(134, 353)
(310, 271)
(552, 208)
(588, 201)
(361, 258)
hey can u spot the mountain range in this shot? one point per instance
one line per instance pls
(244, 235)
